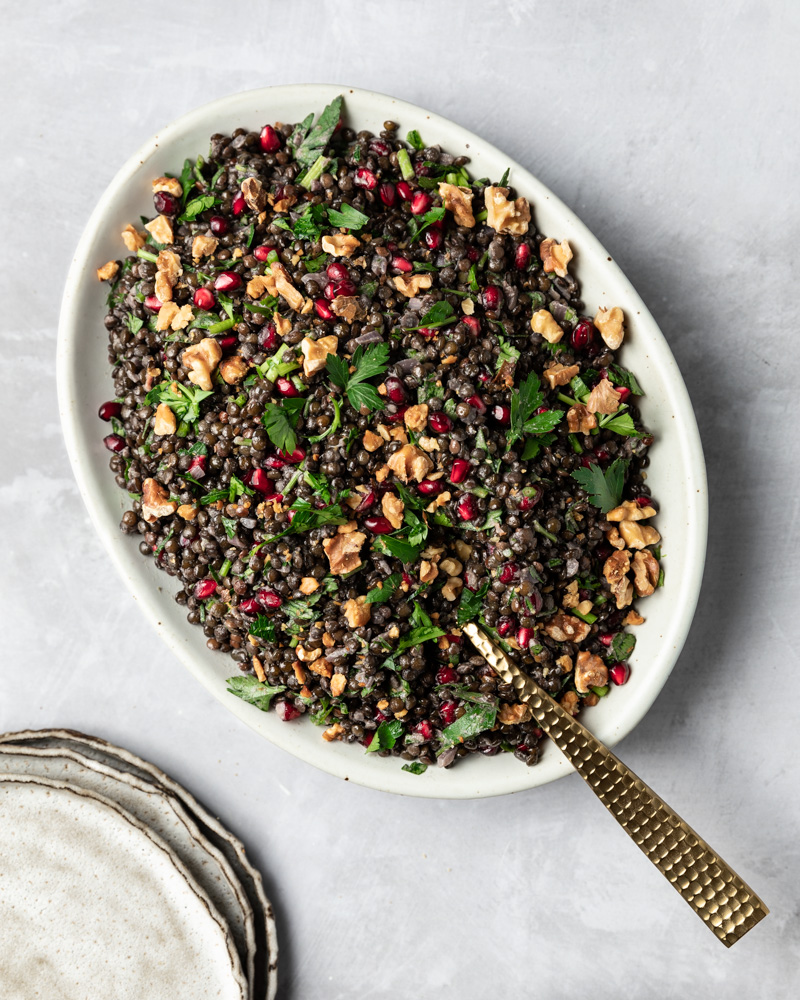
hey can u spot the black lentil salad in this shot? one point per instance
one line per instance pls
(358, 404)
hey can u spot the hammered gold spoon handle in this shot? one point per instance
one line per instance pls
(715, 892)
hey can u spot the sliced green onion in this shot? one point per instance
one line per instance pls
(404, 162)
(146, 255)
(601, 692)
(224, 324)
(576, 445)
(316, 170)
(225, 568)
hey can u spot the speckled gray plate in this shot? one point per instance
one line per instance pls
(93, 904)
(161, 813)
(117, 758)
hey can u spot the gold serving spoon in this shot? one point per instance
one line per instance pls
(714, 891)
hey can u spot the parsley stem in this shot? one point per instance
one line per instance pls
(456, 291)
(567, 399)
(404, 162)
(146, 255)
(316, 170)
(225, 324)
(576, 446)
(225, 568)
(337, 419)
(543, 531)
(292, 482)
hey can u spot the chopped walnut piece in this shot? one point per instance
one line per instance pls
(308, 585)
(258, 668)
(398, 434)
(338, 684)
(233, 369)
(204, 246)
(327, 640)
(409, 462)
(410, 285)
(107, 271)
(182, 318)
(308, 655)
(428, 443)
(299, 672)
(343, 551)
(565, 662)
(164, 421)
(282, 204)
(645, 573)
(614, 570)
(570, 703)
(633, 618)
(349, 308)
(357, 612)
(555, 256)
(467, 307)
(339, 245)
(283, 324)
(458, 200)
(590, 671)
(566, 628)
(506, 216)
(132, 238)
(284, 287)
(452, 588)
(345, 529)
(160, 229)
(614, 539)
(629, 510)
(163, 287)
(315, 352)
(427, 571)
(610, 324)
(155, 501)
(542, 322)
(166, 314)
(150, 378)
(254, 194)
(169, 264)
(169, 184)
(558, 374)
(604, 398)
(451, 566)
(579, 420)
(513, 715)
(200, 360)
(187, 511)
(464, 551)
(335, 732)
(392, 508)
(570, 598)
(637, 536)
(416, 417)
(372, 441)
(257, 285)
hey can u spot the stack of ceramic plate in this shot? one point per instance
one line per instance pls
(115, 882)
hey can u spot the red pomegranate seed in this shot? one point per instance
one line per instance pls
(394, 418)
(365, 178)
(328, 292)
(447, 712)
(429, 487)
(440, 422)
(453, 639)
(260, 481)
(322, 309)
(153, 303)
(624, 393)
(420, 203)
(395, 389)
(425, 331)
(218, 224)
(337, 271)
(474, 254)
(401, 264)
(644, 501)
(491, 298)
(197, 468)
(109, 410)
(379, 147)
(204, 589)
(484, 376)
(601, 455)
(270, 140)
(477, 404)
(226, 343)
(165, 203)
(346, 288)
(378, 524)
(467, 508)
(404, 190)
(261, 253)
(446, 675)
(293, 458)
(619, 673)
(267, 337)
(606, 638)
(506, 625)
(522, 257)
(524, 636)
(508, 572)
(587, 461)
(459, 470)
(286, 711)
(269, 599)
(204, 299)
(425, 729)
(502, 414)
(114, 442)
(367, 501)
(388, 194)
(286, 387)
(238, 204)
(473, 323)
(603, 551)
(433, 238)
(583, 335)
(227, 281)
(250, 606)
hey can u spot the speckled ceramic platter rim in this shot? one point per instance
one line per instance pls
(266, 931)
(207, 865)
(186, 881)
(677, 473)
